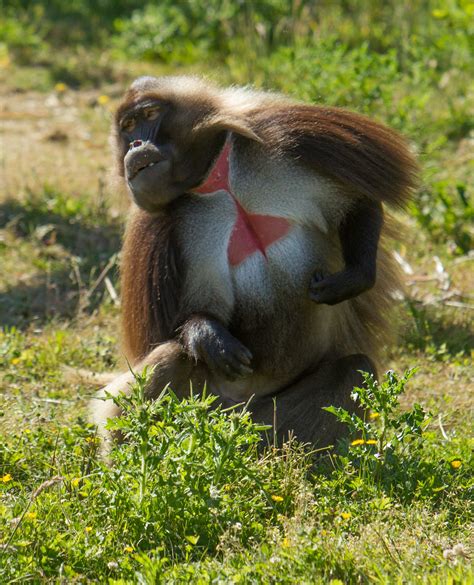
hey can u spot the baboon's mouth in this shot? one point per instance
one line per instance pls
(140, 169)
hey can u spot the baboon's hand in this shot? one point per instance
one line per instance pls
(331, 289)
(209, 341)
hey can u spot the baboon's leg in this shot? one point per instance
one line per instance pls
(172, 367)
(298, 408)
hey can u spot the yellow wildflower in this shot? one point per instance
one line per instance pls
(346, 515)
(277, 498)
(15, 361)
(357, 442)
(75, 482)
(88, 528)
(128, 549)
(456, 463)
(60, 87)
(31, 515)
(439, 13)
(102, 100)
(285, 542)
(6, 478)
(374, 415)
(371, 442)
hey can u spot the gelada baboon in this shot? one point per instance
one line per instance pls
(251, 259)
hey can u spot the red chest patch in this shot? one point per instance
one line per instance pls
(252, 233)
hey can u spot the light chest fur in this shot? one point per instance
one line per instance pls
(261, 186)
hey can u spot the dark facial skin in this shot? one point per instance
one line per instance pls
(163, 160)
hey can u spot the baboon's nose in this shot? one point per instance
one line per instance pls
(141, 154)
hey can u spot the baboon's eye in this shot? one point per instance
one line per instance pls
(152, 113)
(128, 125)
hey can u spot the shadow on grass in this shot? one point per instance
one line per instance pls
(439, 330)
(73, 242)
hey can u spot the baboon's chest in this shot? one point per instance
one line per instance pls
(259, 229)
(250, 233)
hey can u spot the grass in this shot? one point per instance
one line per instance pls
(191, 498)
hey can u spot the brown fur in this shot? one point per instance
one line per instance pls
(368, 158)
(150, 283)
(329, 385)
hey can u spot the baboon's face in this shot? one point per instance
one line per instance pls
(164, 146)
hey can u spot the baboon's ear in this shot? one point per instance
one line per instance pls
(237, 125)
